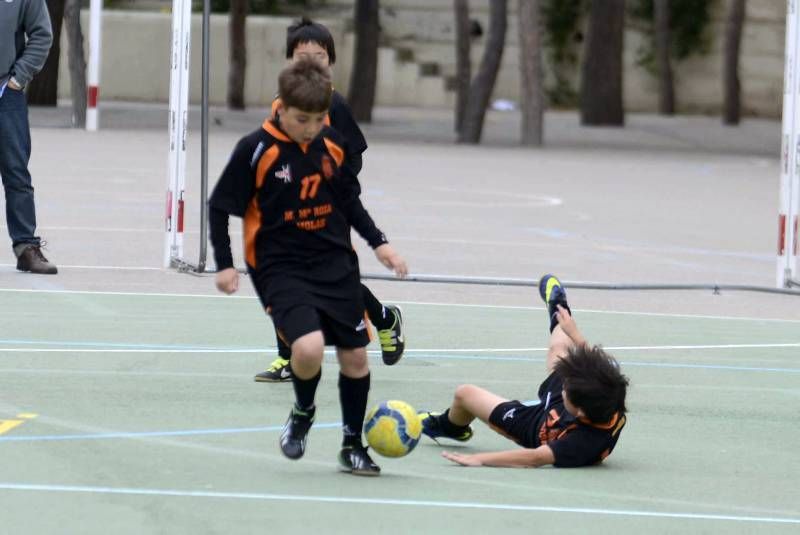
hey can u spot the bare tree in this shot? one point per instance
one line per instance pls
(463, 65)
(601, 80)
(43, 89)
(663, 49)
(482, 86)
(77, 61)
(364, 75)
(530, 62)
(733, 38)
(238, 53)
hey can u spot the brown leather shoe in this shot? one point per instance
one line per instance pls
(32, 260)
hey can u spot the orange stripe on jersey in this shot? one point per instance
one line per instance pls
(608, 425)
(369, 326)
(336, 151)
(252, 217)
(274, 132)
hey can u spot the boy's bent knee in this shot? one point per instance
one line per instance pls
(353, 361)
(307, 353)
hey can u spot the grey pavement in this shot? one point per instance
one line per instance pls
(664, 200)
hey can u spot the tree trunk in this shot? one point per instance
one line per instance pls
(463, 65)
(77, 61)
(601, 72)
(480, 92)
(733, 38)
(530, 62)
(666, 86)
(238, 54)
(365, 63)
(43, 89)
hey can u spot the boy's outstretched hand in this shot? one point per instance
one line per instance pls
(389, 258)
(228, 280)
(462, 458)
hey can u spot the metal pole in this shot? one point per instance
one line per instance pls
(93, 74)
(787, 216)
(201, 263)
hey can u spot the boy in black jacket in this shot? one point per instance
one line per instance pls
(289, 182)
(313, 41)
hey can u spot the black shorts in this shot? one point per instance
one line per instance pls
(520, 422)
(292, 323)
(298, 308)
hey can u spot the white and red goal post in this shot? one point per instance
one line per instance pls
(787, 268)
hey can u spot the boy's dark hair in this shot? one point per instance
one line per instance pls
(593, 382)
(305, 85)
(308, 31)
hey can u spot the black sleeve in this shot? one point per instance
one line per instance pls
(342, 120)
(236, 184)
(580, 447)
(231, 195)
(356, 214)
(220, 239)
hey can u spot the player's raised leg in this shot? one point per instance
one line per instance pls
(306, 363)
(388, 319)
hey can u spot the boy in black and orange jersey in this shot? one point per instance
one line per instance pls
(298, 200)
(581, 409)
(310, 40)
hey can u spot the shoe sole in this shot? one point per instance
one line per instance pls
(363, 473)
(268, 380)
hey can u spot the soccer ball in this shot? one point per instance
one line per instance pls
(393, 428)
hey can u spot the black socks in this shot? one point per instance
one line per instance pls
(353, 395)
(378, 315)
(304, 390)
(449, 427)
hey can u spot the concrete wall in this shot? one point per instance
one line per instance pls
(136, 57)
(136, 48)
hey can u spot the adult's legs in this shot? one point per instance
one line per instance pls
(15, 152)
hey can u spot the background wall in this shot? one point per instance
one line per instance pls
(418, 57)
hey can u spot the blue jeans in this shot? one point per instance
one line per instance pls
(15, 152)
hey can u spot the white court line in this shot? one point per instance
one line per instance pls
(423, 303)
(391, 502)
(375, 352)
(118, 268)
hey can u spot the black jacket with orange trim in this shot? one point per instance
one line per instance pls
(298, 204)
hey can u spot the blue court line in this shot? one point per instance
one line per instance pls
(393, 502)
(114, 345)
(148, 434)
(459, 356)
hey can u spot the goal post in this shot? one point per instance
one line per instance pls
(180, 58)
(787, 269)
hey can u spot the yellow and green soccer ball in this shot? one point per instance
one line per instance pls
(393, 428)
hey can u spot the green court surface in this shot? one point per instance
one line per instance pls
(135, 413)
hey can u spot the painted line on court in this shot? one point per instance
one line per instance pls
(118, 268)
(421, 303)
(442, 356)
(150, 434)
(392, 502)
(121, 347)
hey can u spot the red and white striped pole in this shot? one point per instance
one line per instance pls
(93, 75)
(178, 129)
(790, 152)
